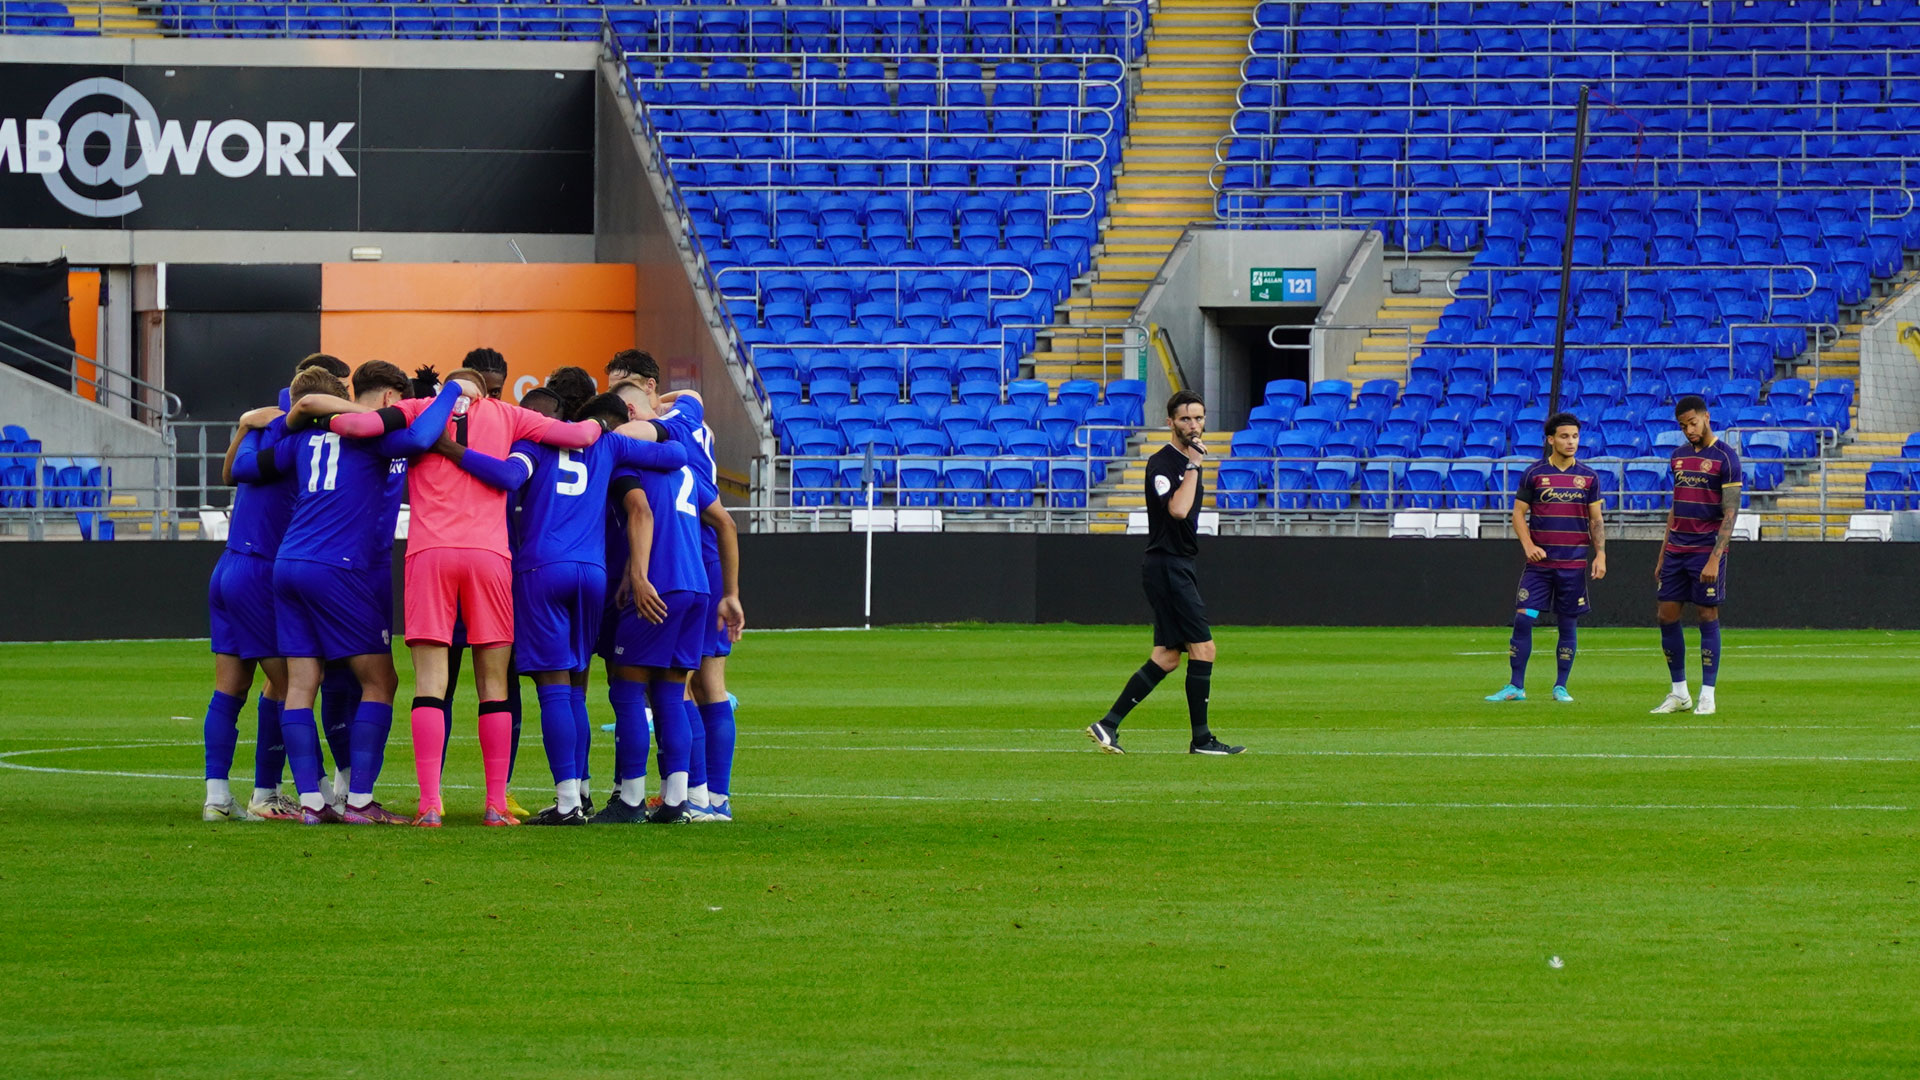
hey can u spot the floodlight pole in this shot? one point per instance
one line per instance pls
(868, 478)
(1566, 252)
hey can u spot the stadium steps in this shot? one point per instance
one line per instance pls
(115, 20)
(1188, 84)
(1404, 319)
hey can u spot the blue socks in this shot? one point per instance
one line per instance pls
(558, 732)
(339, 700)
(697, 744)
(1673, 642)
(221, 733)
(582, 732)
(1569, 645)
(629, 700)
(303, 749)
(1709, 652)
(717, 718)
(675, 735)
(269, 751)
(372, 723)
(1521, 649)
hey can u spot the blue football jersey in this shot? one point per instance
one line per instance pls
(340, 488)
(396, 494)
(261, 506)
(707, 474)
(676, 561)
(563, 504)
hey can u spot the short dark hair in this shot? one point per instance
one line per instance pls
(380, 375)
(1181, 398)
(573, 386)
(636, 362)
(1559, 420)
(609, 406)
(332, 365)
(531, 399)
(1690, 403)
(486, 361)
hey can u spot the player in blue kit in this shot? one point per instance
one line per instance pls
(659, 628)
(707, 796)
(560, 573)
(240, 603)
(328, 607)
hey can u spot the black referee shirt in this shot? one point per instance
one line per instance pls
(1166, 534)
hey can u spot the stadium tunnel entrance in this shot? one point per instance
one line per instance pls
(1254, 346)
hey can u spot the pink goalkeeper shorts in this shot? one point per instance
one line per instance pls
(442, 583)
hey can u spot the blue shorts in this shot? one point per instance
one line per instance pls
(1680, 579)
(380, 580)
(672, 644)
(717, 643)
(240, 600)
(1559, 590)
(329, 612)
(556, 615)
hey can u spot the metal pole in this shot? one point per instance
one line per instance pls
(1566, 252)
(867, 608)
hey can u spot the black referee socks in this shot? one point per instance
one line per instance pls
(1199, 688)
(1138, 687)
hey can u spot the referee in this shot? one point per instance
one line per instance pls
(1174, 498)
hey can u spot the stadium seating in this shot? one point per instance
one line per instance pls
(1743, 187)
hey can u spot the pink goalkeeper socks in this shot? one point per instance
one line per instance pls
(496, 750)
(429, 747)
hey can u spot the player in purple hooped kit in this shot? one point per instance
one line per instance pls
(1707, 482)
(1557, 514)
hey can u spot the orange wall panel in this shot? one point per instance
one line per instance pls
(476, 287)
(539, 316)
(83, 315)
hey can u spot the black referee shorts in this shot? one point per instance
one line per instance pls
(1179, 615)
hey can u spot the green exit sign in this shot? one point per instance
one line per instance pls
(1283, 286)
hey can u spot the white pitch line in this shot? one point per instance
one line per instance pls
(1340, 753)
(1328, 804)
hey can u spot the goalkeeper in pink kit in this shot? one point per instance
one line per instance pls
(458, 565)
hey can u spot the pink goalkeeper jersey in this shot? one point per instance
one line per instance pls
(450, 507)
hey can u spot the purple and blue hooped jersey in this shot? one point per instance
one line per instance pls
(1699, 478)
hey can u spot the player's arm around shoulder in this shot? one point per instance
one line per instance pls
(646, 454)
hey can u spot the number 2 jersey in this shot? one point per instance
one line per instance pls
(677, 562)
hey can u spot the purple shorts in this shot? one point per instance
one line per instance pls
(1680, 579)
(1563, 591)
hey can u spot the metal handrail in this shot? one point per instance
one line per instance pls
(897, 271)
(1459, 275)
(168, 408)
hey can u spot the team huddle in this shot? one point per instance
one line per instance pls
(538, 535)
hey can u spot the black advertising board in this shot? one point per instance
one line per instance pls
(308, 149)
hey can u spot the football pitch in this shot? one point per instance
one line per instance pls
(932, 873)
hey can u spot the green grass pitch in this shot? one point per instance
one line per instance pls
(934, 875)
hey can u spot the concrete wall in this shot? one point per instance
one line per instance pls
(113, 247)
(67, 424)
(1890, 368)
(1353, 299)
(1210, 268)
(674, 319)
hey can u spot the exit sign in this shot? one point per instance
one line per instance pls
(1280, 286)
